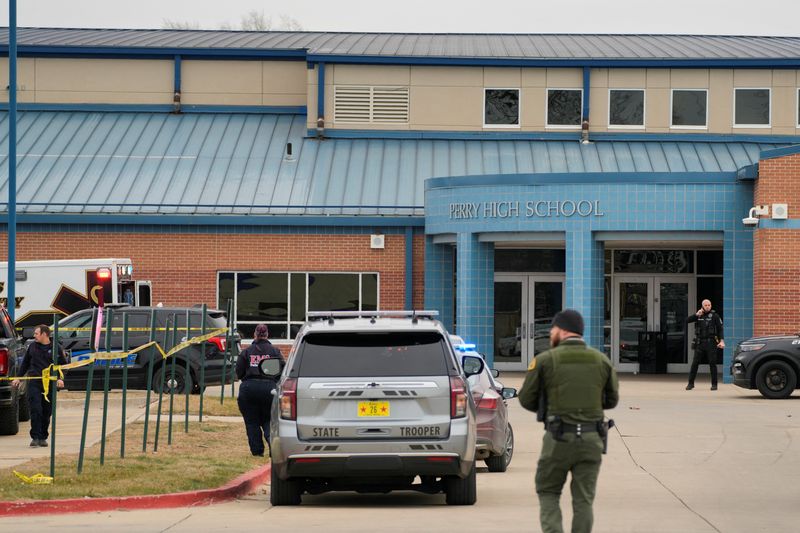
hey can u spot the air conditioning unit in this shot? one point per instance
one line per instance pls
(376, 241)
(780, 211)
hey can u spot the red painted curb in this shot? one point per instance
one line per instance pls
(243, 484)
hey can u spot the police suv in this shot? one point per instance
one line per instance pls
(373, 402)
(769, 364)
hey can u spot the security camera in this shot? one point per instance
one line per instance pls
(750, 221)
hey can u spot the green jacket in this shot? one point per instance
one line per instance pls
(579, 382)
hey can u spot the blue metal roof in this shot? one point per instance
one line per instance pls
(415, 45)
(214, 164)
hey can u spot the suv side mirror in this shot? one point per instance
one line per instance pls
(508, 393)
(472, 365)
(270, 368)
(495, 373)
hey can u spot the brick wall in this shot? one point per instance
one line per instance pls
(183, 266)
(776, 261)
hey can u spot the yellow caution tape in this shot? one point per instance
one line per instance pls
(56, 372)
(36, 479)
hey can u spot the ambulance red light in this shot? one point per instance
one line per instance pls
(103, 273)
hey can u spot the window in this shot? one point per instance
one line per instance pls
(282, 300)
(751, 108)
(367, 104)
(689, 108)
(501, 108)
(626, 108)
(564, 107)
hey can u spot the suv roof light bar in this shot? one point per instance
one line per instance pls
(331, 315)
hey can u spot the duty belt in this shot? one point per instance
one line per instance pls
(563, 427)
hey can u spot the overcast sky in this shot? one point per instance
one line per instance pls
(729, 17)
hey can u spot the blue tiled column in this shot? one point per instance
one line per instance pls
(439, 280)
(475, 293)
(737, 288)
(585, 283)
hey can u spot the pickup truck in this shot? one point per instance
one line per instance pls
(13, 402)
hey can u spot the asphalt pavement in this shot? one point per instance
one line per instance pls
(678, 461)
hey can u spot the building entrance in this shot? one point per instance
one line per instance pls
(651, 303)
(524, 307)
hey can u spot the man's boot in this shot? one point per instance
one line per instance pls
(690, 386)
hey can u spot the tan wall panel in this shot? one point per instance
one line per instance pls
(298, 99)
(220, 99)
(284, 77)
(658, 78)
(598, 110)
(784, 131)
(501, 77)
(533, 77)
(684, 78)
(657, 109)
(446, 106)
(533, 109)
(598, 77)
(631, 78)
(565, 78)
(222, 77)
(89, 97)
(720, 101)
(26, 76)
(101, 75)
(784, 78)
(447, 76)
(784, 107)
(752, 78)
(368, 75)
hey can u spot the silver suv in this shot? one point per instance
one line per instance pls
(373, 402)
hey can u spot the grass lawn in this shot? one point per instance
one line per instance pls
(208, 456)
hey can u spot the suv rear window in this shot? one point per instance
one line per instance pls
(373, 354)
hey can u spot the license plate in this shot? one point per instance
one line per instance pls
(373, 408)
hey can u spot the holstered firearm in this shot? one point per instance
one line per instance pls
(602, 429)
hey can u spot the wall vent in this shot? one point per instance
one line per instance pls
(370, 105)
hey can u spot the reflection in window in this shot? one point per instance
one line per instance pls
(751, 107)
(626, 107)
(654, 261)
(529, 260)
(689, 107)
(225, 289)
(333, 292)
(564, 107)
(501, 107)
(261, 296)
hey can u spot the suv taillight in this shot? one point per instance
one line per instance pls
(488, 402)
(219, 342)
(458, 397)
(3, 361)
(288, 399)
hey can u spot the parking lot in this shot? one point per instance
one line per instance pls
(688, 461)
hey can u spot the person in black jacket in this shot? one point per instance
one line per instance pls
(708, 339)
(38, 357)
(255, 392)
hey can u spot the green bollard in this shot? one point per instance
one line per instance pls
(161, 390)
(225, 354)
(89, 378)
(53, 401)
(125, 348)
(202, 359)
(153, 353)
(106, 379)
(188, 374)
(172, 381)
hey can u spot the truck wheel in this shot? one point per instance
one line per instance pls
(776, 380)
(9, 419)
(176, 384)
(459, 491)
(24, 408)
(283, 491)
(499, 463)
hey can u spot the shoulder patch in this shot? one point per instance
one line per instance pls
(532, 365)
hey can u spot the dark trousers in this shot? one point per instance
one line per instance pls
(706, 352)
(255, 402)
(40, 411)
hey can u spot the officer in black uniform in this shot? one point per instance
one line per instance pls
(707, 339)
(38, 357)
(255, 392)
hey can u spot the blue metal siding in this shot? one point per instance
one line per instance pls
(156, 163)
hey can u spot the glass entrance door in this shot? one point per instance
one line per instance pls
(650, 303)
(524, 307)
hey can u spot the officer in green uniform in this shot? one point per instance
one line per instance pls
(573, 383)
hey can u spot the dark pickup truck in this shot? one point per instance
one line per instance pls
(769, 364)
(13, 402)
